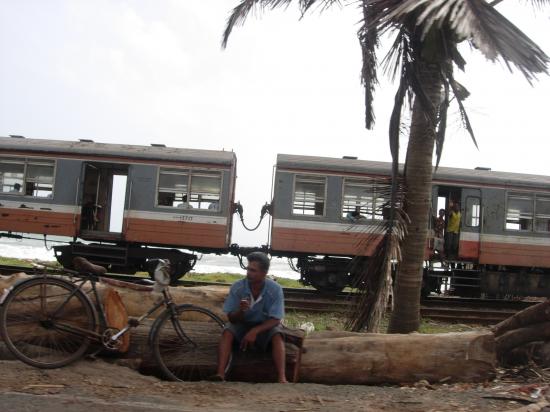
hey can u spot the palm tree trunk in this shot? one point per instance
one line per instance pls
(418, 179)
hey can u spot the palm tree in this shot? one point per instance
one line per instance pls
(423, 56)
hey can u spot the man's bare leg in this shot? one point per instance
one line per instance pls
(224, 350)
(279, 356)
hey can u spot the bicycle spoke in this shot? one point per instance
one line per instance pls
(46, 322)
(185, 346)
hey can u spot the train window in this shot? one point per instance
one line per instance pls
(27, 177)
(542, 214)
(309, 196)
(362, 196)
(39, 178)
(519, 211)
(189, 189)
(173, 187)
(473, 209)
(205, 190)
(12, 174)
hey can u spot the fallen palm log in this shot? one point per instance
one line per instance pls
(359, 358)
(533, 314)
(330, 357)
(138, 298)
(354, 358)
(514, 336)
(199, 355)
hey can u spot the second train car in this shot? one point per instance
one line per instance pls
(504, 230)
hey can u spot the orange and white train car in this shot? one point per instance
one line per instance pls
(325, 211)
(504, 239)
(135, 200)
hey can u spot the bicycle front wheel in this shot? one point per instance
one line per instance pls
(44, 322)
(185, 343)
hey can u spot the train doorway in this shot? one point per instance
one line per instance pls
(103, 200)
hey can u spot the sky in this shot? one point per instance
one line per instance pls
(141, 72)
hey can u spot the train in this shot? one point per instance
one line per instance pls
(175, 203)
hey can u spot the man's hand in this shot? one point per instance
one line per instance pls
(249, 339)
(244, 305)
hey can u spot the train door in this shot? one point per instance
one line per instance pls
(444, 197)
(103, 200)
(471, 224)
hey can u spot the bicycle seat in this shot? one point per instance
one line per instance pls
(83, 265)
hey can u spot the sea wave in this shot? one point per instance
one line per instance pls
(36, 250)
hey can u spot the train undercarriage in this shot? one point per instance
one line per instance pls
(490, 281)
(328, 274)
(126, 258)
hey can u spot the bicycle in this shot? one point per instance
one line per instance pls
(49, 322)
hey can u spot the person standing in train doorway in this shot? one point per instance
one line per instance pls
(255, 308)
(439, 229)
(453, 230)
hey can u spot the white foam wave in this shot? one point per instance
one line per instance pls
(34, 249)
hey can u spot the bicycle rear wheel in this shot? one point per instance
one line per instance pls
(185, 344)
(44, 321)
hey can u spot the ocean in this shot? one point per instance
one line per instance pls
(32, 249)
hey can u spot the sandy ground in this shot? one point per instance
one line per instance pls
(100, 386)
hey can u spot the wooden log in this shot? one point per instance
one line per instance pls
(345, 357)
(517, 337)
(379, 358)
(138, 301)
(249, 366)
(209, 297)
(7, 281)
(533, 314)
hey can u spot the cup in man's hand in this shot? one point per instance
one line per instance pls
(245, 303)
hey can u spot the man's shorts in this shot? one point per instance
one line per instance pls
(238, 330)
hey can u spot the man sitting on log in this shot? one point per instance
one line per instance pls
(254, 307)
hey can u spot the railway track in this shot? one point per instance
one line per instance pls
(447, 309)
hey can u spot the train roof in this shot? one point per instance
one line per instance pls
(446, 174)
(48, 147)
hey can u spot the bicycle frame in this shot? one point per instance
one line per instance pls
(98, 309)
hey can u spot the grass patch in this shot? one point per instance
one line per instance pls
(217, 277)
(336, 321)
(27, 262)
(16, 262)
(321, 321)
(233, 277)
(433, 326)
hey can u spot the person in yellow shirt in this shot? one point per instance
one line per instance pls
(453, 229)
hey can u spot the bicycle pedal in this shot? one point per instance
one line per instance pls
(133, 322)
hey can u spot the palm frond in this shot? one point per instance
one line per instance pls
(479, 23)
(441, 125)
(537, 4)
(306, 5)
(238, 15)
(369, 41)
(461, 93)
(373, 274)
